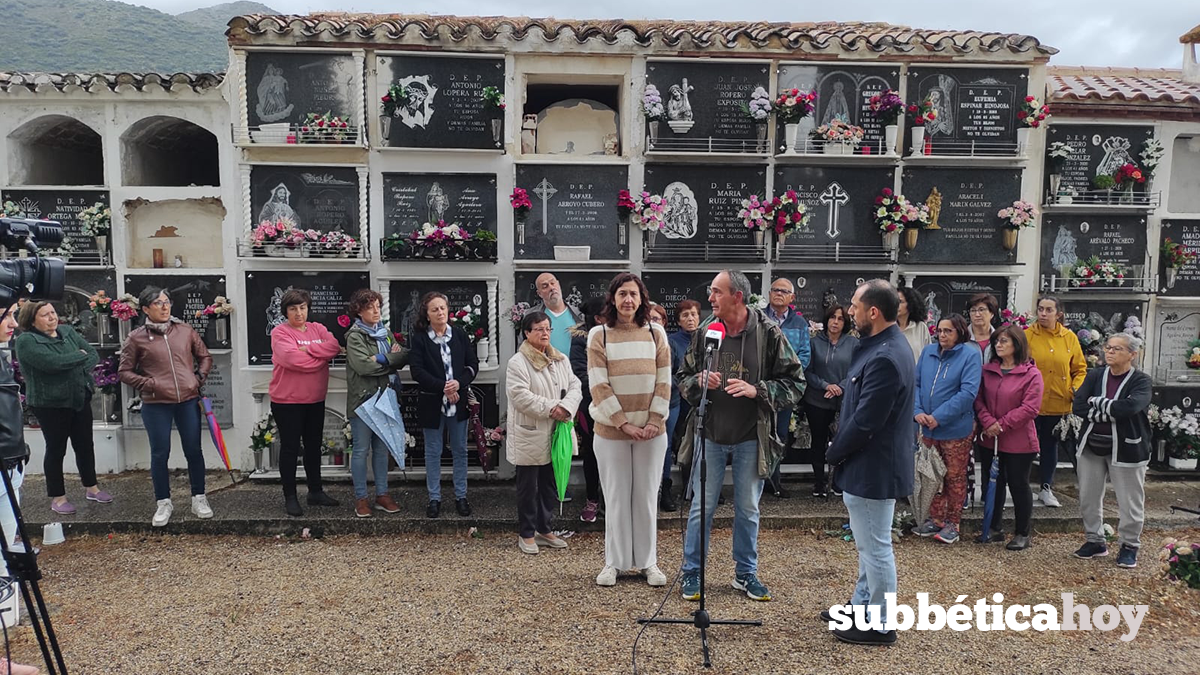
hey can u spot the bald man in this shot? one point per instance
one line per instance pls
(563, 317)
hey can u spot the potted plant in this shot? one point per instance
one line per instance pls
(1151, 155)
(1182, 560)
(1126, 177)
(919, 115)
(757, 215)
(649, 215)
(1094, 271)
(792, 106)
(389, 107)
(758, 109)
(326, 128)
(838, 137)
(283, 239)
(788, 215)
(218, 312)
(887, 108)
(625, 208)
(653, 111)
(1104, 182)
(493, 105)
(96, 221)
(1031, 115)
(483, 244)
(336, 243)
(1175, 255)
(891, 216)
(1179, 432)
(1058, 153)
(264, 438)
(521, 207)
(1017, 217)
(108, 383)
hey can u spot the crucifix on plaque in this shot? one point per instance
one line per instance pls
(834, 197)
(544, 191)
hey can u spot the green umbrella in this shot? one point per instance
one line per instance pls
(562, 449)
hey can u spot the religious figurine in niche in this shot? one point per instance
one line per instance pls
(278, 207)
(1063, 253)
(570, 148)
(272, 105)
(408, 319)
(419, 110)
(610, 144)
(679, 107)
(680, 213)
(437, 202)
(529, 134)
(838, 108)
(829, 298)
(939, 100)
(178, 261)
(935, 312)
(275, 310)
(934, 203)
(1116, 155)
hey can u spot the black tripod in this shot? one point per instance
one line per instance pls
(700, 618)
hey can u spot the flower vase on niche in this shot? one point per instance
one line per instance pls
(1055, 185)
(889, 138)
(891, 240)
(910, 238)
(103, 328)
(760, 237)
(1009, 240)
(1172, 274)
(918, 140)
(790, 131)
(481, 350)
(652, 127)
(111, 412)
(520, 230)
(385, 129)
(497, 128)
(1127, 193)
(760, 133)
(651, 235)
(102, 247)
(1023, 141)
(221, 329)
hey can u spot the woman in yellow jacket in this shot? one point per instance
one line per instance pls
(1056, 351)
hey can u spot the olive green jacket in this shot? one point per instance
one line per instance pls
(57, 370)
(364, 375)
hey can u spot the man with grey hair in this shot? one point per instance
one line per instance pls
(1114, 445)
(755, 374)
(563, 317)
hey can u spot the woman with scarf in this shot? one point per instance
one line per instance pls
(167, 362)
(372, 360)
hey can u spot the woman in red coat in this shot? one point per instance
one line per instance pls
(1010, 395)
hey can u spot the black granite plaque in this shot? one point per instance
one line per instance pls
(577, 285)
(1116, 239)
(190, 294)
(841, 201)
(406, 294)
(669, 288)
(843, 92)
(445, 108)
(330, 292)
(322, 198)
(73, 308)
(415, 456)
(61, 206)
(284, 87)
(1098, 149)
(949, 295)
(411, 199)
(1186, 399)
(219, 388)
(969, 231)
(816, 290)
(711, 95)
(1175, 329)
(1187, 278)
(973, 104)
(573, 205)
(702, 202)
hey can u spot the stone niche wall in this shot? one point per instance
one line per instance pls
(190, 228)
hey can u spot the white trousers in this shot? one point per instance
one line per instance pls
(630, 474)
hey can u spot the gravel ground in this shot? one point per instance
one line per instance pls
(443, 604)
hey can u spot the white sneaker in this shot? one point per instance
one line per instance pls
(200, 506)
(163, 515)
(654, 576)
(607, 576)
(1048, 499)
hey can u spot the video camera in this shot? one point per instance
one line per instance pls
(33, 276)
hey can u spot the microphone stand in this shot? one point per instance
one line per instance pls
(700, 618)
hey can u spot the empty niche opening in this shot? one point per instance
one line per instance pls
(188, 228)
(1183, 194)
(572, 119)
(168, 151)
(55, 150)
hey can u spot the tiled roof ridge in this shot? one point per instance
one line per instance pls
(197, 82)
(875, 36)
(1125, 85)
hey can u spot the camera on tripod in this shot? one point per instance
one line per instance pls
(32, 276)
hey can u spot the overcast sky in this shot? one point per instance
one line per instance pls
(1143, 33)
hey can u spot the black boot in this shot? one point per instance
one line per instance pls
(319, 498)
(434, 509)
(666, 501)
(292, 506)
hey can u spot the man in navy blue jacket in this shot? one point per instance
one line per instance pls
(872, 454)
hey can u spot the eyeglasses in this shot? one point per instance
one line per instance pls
(544, 329)
(1115, 348)
(946, 331)
(161, 303)
(978, 310)
(780, 291)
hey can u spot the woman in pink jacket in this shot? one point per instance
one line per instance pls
(1010, 396)
(300, 352)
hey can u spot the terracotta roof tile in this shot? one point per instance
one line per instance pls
(198, 82)
(851, 36)
(1130, 85)
(1191, 37)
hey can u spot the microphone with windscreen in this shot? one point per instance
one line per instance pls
(713, 336)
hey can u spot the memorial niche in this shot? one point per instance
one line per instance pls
(445, 108)
(843, 93)
(975, 106)
(1100, 319)
(669, 288)
(63, 207)
(701, 213)
(968, 230)
(840, 200)
(405, 299)
(73, 308)
(489, 414)
(1186, 279)
(1097, 150)
(284, 88)
(949, 295)
(413, 199)
(573, 205)
(189, 294)
(576, 285)
(1068, 239)
(704, 103)
(818, 290)
(1176, 329)
(330, 292)
(322, 198)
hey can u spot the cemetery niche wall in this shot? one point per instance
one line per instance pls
(702, 205)
(949, 295)
(703, 104)
(63, 207)
(817, 290)
(284, 88)
(1176, 335)
(576, 285)
(441, 102)
(843, 93)
(1096, 150)
(330, 292)
(413, 200)
(1182, 281)
(963, 203)
(190, 295)
(840, 201)
(415, 435)
(321, 198)
(976, 108)
(1073, 240)
(467, 294)
(574, 214)
(669, 287)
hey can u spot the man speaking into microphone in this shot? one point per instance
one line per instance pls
(755, 374)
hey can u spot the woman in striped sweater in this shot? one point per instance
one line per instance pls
(629, 373)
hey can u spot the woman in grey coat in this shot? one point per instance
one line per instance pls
(831, 352)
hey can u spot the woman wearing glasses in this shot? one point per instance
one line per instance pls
(167, 362)
(982, 310)
(946, 385)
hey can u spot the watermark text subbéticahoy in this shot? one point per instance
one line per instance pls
(985, 616)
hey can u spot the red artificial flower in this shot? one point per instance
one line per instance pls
(1029, 99)
(879, 201)
(887, 192)
(344, 321)
(781, 219)
(795, 92)
(912, 108)
(386, 97)
(1021, 114)
(797, 218)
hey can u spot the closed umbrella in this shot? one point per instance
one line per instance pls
(562, 449)
(929, 470)
(381, 414)
(475, 405)
(214, 430)
(989, 490)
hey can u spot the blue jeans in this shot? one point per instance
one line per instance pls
(157, 418)
(747, 489)
(672, 421)
(1047, 446)
(433, 457)
(364, 442)
(871, 523)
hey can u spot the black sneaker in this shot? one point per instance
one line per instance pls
(321, 499)
(782, 494)
(665, 501)
(1092, 550)
(292, 506)
(995, 537)
(463, 507)
(434, 509)
(855, 636)
(1127, 557)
